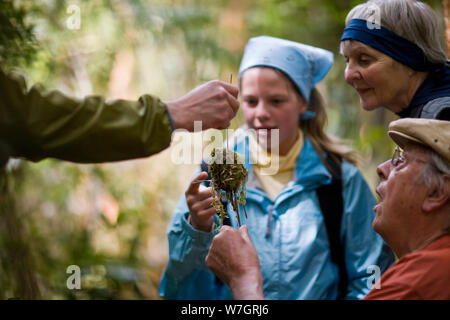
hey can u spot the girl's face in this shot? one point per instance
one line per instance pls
(270, 101)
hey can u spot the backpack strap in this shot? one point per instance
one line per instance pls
(332, 207)
(437, 109)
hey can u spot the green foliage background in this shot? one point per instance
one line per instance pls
(110, 219)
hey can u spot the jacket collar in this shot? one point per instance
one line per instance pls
(436, 85)
(310, 172)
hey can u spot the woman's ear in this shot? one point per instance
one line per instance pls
(302, 108)
(438, 196)
(302, 105)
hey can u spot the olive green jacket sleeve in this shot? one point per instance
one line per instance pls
(35, 124)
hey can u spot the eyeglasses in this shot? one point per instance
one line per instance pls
(397, 157)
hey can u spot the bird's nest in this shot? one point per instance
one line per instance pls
(229, 177)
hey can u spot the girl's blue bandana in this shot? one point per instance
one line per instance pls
(305, 65)
(388, 42)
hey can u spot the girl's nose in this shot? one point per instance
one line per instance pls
(261, 111)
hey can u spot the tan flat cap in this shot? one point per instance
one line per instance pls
(434, 134)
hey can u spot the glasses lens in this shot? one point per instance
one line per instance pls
(396, 156)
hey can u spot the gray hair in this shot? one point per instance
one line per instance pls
(435, 169)
(434, 172)
(411, 19)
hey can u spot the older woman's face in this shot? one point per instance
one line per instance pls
(379, 80)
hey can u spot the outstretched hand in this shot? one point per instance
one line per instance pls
(233, 258)
(214, 103)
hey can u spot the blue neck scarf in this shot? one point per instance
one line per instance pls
(436, 85)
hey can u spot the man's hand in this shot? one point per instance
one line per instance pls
(233, 258)
(214, 103)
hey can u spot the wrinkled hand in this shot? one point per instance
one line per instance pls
(214, 103)
(233, 258)
(199, 201)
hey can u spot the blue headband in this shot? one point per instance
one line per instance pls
(386, 41)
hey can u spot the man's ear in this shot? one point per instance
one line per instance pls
(438, 196)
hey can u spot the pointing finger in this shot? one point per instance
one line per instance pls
(194, 186)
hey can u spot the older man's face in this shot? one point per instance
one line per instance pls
(402, 193)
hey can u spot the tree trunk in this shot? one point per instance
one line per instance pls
(18, 272)
(446, 5)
